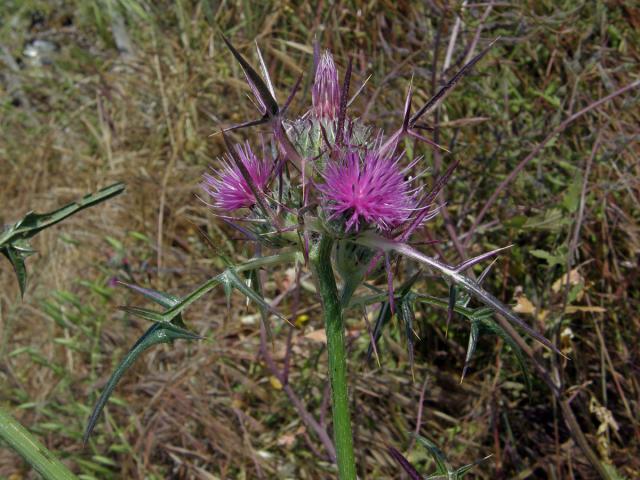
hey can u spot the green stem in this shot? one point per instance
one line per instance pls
(347, 293)
(32, 450)
(320, 257)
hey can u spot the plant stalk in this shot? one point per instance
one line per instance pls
(320, 259)
(41, 459)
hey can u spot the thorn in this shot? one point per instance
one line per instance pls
(427, 141)
(437, 99)
(467, 264)
(265, 72)
(464, 372)
(359, 91)
(296, 86)
(407, 107)
(344, 93)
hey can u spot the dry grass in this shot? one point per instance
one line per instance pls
(91, 115)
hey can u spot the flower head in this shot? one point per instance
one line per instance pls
(228, 188)
(325, 94)
(372, 191)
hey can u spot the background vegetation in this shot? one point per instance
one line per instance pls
(97, 91)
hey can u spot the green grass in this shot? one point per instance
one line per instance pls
(92, 115)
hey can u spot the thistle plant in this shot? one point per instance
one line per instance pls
(328, 192)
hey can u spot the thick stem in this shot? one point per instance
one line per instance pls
(320, 257)
(41, 459)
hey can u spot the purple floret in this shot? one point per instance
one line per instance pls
(372, 191)
(228, 188)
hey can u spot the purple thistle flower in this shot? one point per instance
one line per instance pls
(228, 188)
(372, 191)
(325, 94)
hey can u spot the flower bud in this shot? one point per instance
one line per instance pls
(326, 91)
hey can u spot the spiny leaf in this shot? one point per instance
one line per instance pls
(385, 313)
(17, 261)
(229, 278)
(156, 334)
(474, 334)
(162, 298)
(32, 222)
(443, 467)
(375, 241)
(171, 313)
(251, 294)
(13, 239)
(203, 289)
(464, 469)
(169, 325)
